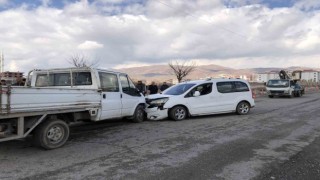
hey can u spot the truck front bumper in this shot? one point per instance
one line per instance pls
(278, 93)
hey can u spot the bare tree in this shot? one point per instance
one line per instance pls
(80, 60)
(181, 69)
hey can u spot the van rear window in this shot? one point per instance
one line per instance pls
(232, 86)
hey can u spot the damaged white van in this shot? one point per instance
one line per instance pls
(201, 97)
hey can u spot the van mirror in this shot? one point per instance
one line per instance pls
(196, 94)
(265, 84)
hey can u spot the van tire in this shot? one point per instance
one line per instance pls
(270, 96)
(178, 113)
(139, 114)
(243, 108)
(51, 134)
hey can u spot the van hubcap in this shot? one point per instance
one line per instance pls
(244, 108)
(180, 113)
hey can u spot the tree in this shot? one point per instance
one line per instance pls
(80, 60)
(181, 69)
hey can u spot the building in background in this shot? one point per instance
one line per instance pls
(11, 77)
(310, 75)
(265, 77)
(305, 75)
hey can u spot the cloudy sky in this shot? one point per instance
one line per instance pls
(126, 33)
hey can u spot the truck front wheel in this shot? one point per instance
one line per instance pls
(139, 114)
(51, 134)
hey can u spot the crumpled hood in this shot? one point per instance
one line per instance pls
(156, 96)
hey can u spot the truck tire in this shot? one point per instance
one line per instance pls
(243, 108)
(51, 134)
(178, 113)
(139, 114)
(299, 94)
(291, 95)
(270, 96)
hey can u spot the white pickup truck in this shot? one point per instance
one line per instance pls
(54, 98)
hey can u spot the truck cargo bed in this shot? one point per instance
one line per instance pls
(31, 99)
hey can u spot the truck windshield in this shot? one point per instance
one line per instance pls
(178, 89)
(278, 83)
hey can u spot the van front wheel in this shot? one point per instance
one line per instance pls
(178, 113)
(243, 108)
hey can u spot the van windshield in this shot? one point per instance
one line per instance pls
(178, 89)
(278, 83)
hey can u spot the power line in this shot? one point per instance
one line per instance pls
(223, 28)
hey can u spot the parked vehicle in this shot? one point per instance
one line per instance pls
(201, 97)
(57, 97)
(284, 86)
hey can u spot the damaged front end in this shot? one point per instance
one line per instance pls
(155, 108)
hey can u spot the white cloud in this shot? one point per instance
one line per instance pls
(90, 45)
(308, 4)
(2, 2)
(203, 30)
(46, 2)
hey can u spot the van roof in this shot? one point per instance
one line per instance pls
(214, 80)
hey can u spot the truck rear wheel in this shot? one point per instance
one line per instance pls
(51, 134)
(139, 114)
(299, 94)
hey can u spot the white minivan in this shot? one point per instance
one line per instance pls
(201, 97)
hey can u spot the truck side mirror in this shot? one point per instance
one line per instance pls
(265, 84)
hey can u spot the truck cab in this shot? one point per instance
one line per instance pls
(284, 87)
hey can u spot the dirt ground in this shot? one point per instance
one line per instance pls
(278, 137)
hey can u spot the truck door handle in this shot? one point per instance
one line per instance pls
(104, 96)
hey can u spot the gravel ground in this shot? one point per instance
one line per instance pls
(303, 165)
(276, 140)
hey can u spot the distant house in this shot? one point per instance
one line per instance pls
(310, 75)
(264, 77)
(307, 75)
(11, 77)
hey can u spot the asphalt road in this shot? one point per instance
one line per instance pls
(261, 145)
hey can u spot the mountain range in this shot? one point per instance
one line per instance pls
(160, 73)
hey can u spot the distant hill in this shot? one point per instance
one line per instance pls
(162, 73)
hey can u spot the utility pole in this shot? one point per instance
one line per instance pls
(1, 62)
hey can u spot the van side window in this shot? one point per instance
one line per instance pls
(225, 87)
(127, 86)
(109, 82)
(204, 89)
(241, 86)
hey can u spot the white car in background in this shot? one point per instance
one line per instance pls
(201, 97)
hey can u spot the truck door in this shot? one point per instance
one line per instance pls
(130, 96)
(111, 96)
